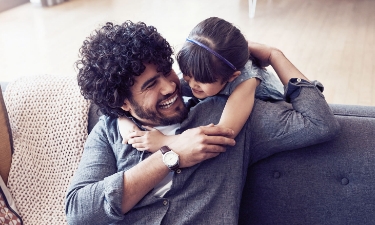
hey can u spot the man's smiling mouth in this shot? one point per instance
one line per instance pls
(168, 103)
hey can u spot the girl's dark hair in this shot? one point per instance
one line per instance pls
(112, 56)
(222, 37)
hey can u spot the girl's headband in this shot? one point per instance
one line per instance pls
(213, 52)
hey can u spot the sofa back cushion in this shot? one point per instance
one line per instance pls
(327, 183)
(48, 116)
(5, 141)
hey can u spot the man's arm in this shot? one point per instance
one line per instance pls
(99, 193)
(281, 126)
(193, 146)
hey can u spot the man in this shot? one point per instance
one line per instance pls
(198, 179)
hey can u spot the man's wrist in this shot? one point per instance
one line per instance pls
(170, 158)
(294, 86)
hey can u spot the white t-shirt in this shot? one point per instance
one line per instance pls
(165, 185)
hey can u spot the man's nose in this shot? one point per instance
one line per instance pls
(167, 87)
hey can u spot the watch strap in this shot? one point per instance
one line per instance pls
(165, 149)
(174, 168)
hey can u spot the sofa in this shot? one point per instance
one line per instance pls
(329, 183)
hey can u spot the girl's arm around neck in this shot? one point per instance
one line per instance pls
(239, 106)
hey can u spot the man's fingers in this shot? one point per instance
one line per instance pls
(217, 149)
(219, 140)
(217, 131)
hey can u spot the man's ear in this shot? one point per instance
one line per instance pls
(234, 75)
(126, 106)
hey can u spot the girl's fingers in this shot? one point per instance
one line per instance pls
(142, 149)
(136, 134)
(148, 128)
(139, 147)
(134, 140)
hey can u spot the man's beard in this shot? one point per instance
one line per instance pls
(156, 117)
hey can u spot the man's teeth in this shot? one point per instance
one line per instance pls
(167, 104)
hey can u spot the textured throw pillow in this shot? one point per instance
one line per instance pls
(8, 212)
(5, 141)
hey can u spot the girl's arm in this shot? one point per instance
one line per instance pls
(267, 55)
(126, 127)
(239, 106)
(151, 140)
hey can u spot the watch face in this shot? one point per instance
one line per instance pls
(170, 158)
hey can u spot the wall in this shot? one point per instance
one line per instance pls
(8, 4)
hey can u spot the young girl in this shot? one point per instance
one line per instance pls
(214, 60)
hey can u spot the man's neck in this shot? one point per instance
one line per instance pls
(168, 130)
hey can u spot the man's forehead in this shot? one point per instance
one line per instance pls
(149, 75)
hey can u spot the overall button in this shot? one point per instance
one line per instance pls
(178, 171)
(344, 181)
(165, 202)
(299, 80)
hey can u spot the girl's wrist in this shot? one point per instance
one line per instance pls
(275, 53)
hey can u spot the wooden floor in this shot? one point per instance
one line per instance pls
(329, 40)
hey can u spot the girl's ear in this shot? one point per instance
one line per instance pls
(126, 106)
(234, 76)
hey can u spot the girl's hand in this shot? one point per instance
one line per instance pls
(126, 127)
(262, 53)
(151, 140)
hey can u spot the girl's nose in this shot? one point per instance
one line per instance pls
(193, 83)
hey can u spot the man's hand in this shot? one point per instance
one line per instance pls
(198, 144)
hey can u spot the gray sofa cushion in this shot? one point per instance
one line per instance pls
(329, 183)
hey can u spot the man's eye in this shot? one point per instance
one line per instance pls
(151, 85)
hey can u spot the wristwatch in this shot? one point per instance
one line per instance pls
(170, 158)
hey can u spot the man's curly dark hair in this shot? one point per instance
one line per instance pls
(112, 56)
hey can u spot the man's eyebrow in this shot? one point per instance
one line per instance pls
(145, 84)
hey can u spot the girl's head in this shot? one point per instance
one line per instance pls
(213, 54)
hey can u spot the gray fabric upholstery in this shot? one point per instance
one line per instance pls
(94, 115)
(329, 183)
